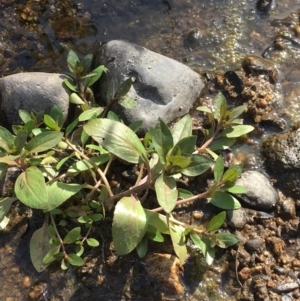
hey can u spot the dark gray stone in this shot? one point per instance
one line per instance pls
(282, 154)
(255, 245)
(260, 195)
(161, 86)
(288, 209)
(33, 91)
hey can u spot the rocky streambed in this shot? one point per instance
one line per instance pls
(245, 50)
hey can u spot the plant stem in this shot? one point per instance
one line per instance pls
(57, 234)
(177, 222)
(190, 199)
(100, 172)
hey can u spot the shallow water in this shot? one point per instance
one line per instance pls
(36, 35)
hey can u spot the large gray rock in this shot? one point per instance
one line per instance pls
(260, 195)
(33, 91)
(282, 153)
(161, 86)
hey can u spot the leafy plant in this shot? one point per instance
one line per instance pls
(61, 165)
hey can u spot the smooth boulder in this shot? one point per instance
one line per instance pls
(260, 195)
(162, 87)
(32, 91)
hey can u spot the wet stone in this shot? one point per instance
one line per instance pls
(288, 209)
(162, 87)
(286, 287)
(255, 245)
(32, 91)
(236, 218)
(260, 195)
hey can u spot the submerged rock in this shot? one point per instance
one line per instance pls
(162, 87)
(32, 91)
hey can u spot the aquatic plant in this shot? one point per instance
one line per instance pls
(63, 172)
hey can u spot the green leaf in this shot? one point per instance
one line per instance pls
(178, 241)
(50, 123)
(142, 247)
(198, 165)
(236, 189)
(24, 115)
(224, 200)
(237, 131)
(136, 125)
(129, 225)
(204, 245)
(79, 250)
(166, 192)
(83, 165)
(184, 194)
(39, 247)
(182, 129)
(86, 63)
(230, 175)
(97, 217)
(20, 141)
(216, 222)
(219, 169)
(72, 60)
(93, 76)
(5, 204)
(157, 221)
(204, 109)
(237, 111)
(154, 234)
(71, 127)
(118, 139)
(186, 145)
(29, 126)
(90, 114)
(220, 106)
(178, 161)
(6, 140)
(43, 142)
(113, 116)
(72, 236)
(74, 260)
(127, 102)
(225, 240)
(221, 143)
(70, 84)
(49, 257)
(58, 193)
(92, 242)
(162, 140)
(76, 99)
(64, 264)
(57, 115)
(30, 188)
(124, 88)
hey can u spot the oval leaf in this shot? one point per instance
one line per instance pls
(39, 247)
(182, 128)
(129, 225)
(198, 165)
(75, 260)
(166, 192)
(72, 236)
(117, 138)
(224, 200)
(216, 222)
(30, 188)
(43, 141)
(237, 131)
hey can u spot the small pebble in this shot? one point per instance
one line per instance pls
(286, 287)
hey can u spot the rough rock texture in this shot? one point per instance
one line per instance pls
(282, 153)
(161, 86)
(33, 91)
(260, 195)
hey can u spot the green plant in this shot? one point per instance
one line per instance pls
(42, 147)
